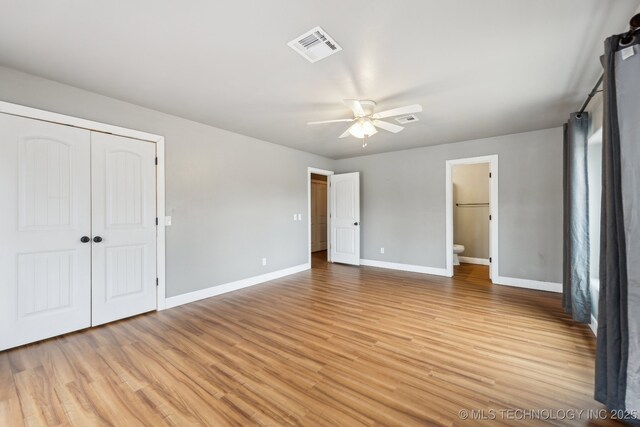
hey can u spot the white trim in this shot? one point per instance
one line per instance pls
(232, 286)
(493, 211)
(529, 284)
(471, 260)
(326, 173)
(47, 116)
(594, 325)
(161, 293)
(405, 267)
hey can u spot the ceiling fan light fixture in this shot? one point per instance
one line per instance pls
(363, 128)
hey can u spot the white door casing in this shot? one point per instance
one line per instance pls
(345, 218)
(494, 251)
(124, 217)
(45, 269)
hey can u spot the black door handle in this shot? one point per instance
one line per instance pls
(355, 223)
(85, 239)
(97, 239)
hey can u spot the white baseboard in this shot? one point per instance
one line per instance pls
(529, 284)
(233, 286)
(405, 267)
(594, 325)
(471, 260)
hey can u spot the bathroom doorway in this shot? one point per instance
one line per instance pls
(472, 219)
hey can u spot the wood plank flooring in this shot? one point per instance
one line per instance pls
(333, 346)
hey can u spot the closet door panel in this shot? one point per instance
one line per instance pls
(124, 228)
(45, 269)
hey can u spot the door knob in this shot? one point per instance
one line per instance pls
(355, 223)
(85, 239)
(97, 239)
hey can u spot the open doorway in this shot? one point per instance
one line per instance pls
(319, 219)
(472, 217)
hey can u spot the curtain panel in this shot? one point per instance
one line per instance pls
(576, 298)
(618, 342)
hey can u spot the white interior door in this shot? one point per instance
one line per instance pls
(345, 218)
(124, 227)
(45, 207)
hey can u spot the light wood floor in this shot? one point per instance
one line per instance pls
(335, 345)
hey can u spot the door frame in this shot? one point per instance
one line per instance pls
(47, 116)
(328, 174)
(492, 160)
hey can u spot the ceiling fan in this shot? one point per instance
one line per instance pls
(367, 122)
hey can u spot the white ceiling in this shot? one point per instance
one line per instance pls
(479, 68)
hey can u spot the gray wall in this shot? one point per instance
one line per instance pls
(471, 223)
(403, 202)
(232, 198)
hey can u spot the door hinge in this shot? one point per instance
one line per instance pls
(156, 220)
(489, 217)
(489, 174)
(157, 282)
(489, 259)
(156, 160)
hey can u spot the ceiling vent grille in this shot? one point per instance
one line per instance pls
(403, 120)
(315, 45)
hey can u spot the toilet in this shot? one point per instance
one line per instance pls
(457, 249)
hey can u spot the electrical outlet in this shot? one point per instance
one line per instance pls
(264, 261)
(381, 250)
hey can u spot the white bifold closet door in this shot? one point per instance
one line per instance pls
(124, 227)
(45, 210)
(77, 229)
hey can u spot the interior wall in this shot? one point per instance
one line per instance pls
(231, 197)
(216, 178)
(471, 223)
(403, 202)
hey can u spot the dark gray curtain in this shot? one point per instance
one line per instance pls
(618, 344)
(576, 296)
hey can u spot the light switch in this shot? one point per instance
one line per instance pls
(167, 220)
(295, 217)
(299, 217)
(381, 250)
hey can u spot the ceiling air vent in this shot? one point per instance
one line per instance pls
(406, 119)
(315, 45)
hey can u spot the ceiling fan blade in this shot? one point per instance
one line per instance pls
(355, 106)
(387, 126)
(415, 108)
(330, 121)
(346, 133)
